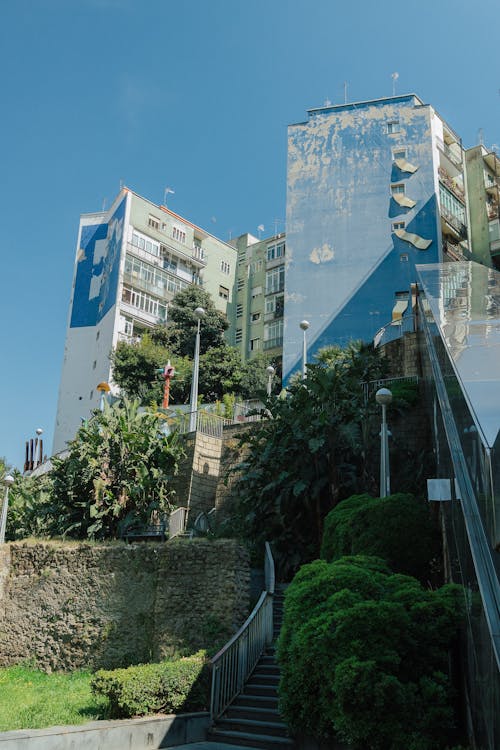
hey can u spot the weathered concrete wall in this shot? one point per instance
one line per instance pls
(76, 605)
(231, 455)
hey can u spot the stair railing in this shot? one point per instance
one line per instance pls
(177, 522)
(233, 664)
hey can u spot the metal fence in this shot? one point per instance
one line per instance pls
(371, 386)
(394, 330)
(234, 663)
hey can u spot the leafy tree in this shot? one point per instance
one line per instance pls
(254, 377)
(312, 453)
(118, 472)
(379, 643)
(383, 527)
(220, 372)
(183, 323)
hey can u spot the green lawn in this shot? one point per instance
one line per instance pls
(30, 699)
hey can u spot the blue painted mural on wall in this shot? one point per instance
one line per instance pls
(98, 270)
(345, 264)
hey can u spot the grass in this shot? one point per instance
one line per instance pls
(30, 699)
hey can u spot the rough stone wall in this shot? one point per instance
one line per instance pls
(403, 356)
(231, 455)
(196, 484)
(67, 606)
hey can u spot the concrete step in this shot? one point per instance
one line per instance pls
(253, 726)
(261, 688)
(259, 713)
(244, 739)
(248, 698)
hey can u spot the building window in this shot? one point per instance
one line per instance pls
(280, 249)
(223, 292)
(254, 344)
(399, 153)
(393, 127)
(97, 335)
(273, 334)
(239, 335)
(239, 311)
(153, 222)
(94, 364)
(271, 250)
(256, 266)
(198, 251)
(275, 280)
(241, 284)
(91, 395)
(398, 188)
(256, 291)
(255, 317)
(145, 243)
(225, 267)
(403, 257)
(398, 225)
(178, 234)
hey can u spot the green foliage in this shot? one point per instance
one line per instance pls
(30, 699)
(397, 528)
(118, 472)
(220, 372)
(167, 687)
(364, 655)
(313, 452)
(183, 323)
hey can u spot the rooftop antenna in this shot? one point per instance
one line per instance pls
(121, 184)
(260, 229)
(327, 102)
(480, 136)
(104, 204)
(394, 77)
(166, 192)
(345, 92)
(276, 222)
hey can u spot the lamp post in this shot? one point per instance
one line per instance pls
(7, 481)
(304, 324)
(384, 397)
(200, 313)
(38, 448)
(270, 374)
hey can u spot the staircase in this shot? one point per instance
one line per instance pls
(253, 720)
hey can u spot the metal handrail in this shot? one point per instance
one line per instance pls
(395, 330)
(233, 664)
(177, 522)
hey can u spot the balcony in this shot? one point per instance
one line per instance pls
(450, 183)
(452, 154)
(172, 248)
(273, 343)
(450, 224)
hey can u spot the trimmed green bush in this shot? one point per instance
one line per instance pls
(397, 528)
(166, 687)
(364, 656)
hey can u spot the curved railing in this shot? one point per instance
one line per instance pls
(233, 664)
(394, 330)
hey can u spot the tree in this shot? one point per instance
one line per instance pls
(312, 453)
(220, 372)
(118, 472)
(379, 643)
(183, 323)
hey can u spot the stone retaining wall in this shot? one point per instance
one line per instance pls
(67, 606)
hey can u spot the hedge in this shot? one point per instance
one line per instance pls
(165, 687)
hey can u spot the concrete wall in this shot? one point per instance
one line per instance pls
(68, 606)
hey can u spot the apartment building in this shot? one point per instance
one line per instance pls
(130, 262)
(483, 184)
(260, 286)
(373, 188)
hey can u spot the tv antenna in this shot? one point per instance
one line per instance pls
(260, 229)
(345, 92)
(394, 77)
(166, 192)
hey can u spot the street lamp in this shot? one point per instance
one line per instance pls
(304, 324)
(7, 481)
(270, 374)
(200, 313)
(384, 397)
(38, 448)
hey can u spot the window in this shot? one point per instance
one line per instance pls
(241, 284)
(398, 225)
(399, 153)
(225, 267)
(403, 258)
(94, 364)
(223, 292)
(239, 311)
(91, 396)
(153, 222)
(179, 234)
(275, 280)
(254, 344)
(273, 334)
(256, 266)
(255, 317)
(393, 127)
(280, 249)
(97, 335)
(145, 243)
(271, 250)
(398, 188)
(256, 291)
(239, 335)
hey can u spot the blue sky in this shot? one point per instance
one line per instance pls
(195, 95)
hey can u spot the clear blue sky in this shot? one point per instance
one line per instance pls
(195, 95)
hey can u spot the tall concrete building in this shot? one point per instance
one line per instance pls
(373, 188)
(483, 185)
(260, 286)
(130, 262)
